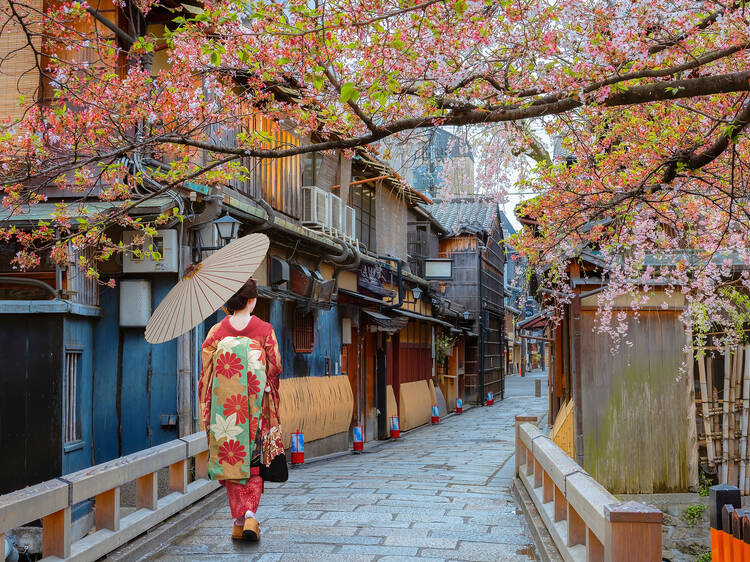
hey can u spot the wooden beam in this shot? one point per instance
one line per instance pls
(107, 505)
(147, 491)
(56, 534)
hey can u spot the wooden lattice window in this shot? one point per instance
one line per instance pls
(71, 414)
(304, 332)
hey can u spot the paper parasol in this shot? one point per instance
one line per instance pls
(205, 287)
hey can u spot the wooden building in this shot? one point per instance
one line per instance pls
(475, 245)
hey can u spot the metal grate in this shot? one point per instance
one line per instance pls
(304, 332)
(70, 387)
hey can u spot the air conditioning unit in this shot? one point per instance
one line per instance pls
(350, 223)
(337, 215)
(164, 243)
(316, 206)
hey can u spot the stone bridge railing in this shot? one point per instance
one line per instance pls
(585, 521)
(52, 501)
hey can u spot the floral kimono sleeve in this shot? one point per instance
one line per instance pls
(273, 361)
(207, 374)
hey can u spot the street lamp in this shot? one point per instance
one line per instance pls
(227, 229)
(416, 293)
(467, 315)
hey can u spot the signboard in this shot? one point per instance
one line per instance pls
(438, 269)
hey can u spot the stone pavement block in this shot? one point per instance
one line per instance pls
(489, 551)
(384, 532)
(378, 550)
(511, 536)
(426, 516)
(422, 542)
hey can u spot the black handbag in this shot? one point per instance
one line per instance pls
(277, 471)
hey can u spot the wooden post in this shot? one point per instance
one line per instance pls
(107, 506)
(201, 465)
(705, 407)
(576, 528)
(548, 488)
(147, 491)
(594, 548)
(632, 532)
(178, 477)
(529, 462)
(519, 421)
(538, 474)
(56, 534)
(561, 506)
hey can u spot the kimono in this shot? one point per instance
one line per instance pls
(243, 414)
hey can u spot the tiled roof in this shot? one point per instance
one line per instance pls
(465, 215)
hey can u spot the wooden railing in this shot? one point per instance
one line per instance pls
(53, 500)
(585, 521)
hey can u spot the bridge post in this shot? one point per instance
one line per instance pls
(107, 505)
(56, 534)
(520, 453)
(632, 532)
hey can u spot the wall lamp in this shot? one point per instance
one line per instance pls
(227, 229)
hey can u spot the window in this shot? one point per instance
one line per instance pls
(311, 171)
(363, 201)
(71, 412)
(304, 332)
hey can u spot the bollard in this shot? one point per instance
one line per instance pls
(538, 388)
(719, 496)
(435, 414)
(737, 543)
(359, 444)
(395, 430)
(490, 398)
(298, 448)
(459, 406)
(746, 535)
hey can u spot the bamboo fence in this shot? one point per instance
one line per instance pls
(723, 406)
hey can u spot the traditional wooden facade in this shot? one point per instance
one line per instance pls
(475, 245)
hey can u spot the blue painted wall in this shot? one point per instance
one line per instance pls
(105, 411)
(149, 382)
(78, 335)
(327, 342)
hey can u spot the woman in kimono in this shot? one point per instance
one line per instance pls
(241, 414)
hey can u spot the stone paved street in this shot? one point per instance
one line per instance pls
(439, 493)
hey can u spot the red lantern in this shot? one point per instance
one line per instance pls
(395, 431)
(298, 448)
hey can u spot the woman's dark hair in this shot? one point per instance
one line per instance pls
(238, 301)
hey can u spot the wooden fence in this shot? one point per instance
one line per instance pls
(585, 521)
(53, 500)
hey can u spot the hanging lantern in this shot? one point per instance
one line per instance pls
(459, 406)
(359, 444)
(435, 414)
(490, 398)
(298, 448)
(395, 431)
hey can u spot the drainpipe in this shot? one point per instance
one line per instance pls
(269, 222)
(399, 281)
(481, 326)
(186, 382)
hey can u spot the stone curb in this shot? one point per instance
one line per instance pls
(545, 546)
(146, 545)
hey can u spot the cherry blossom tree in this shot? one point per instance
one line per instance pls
(650, 97)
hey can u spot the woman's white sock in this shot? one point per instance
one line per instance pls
(249, 514)
(240, 521)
